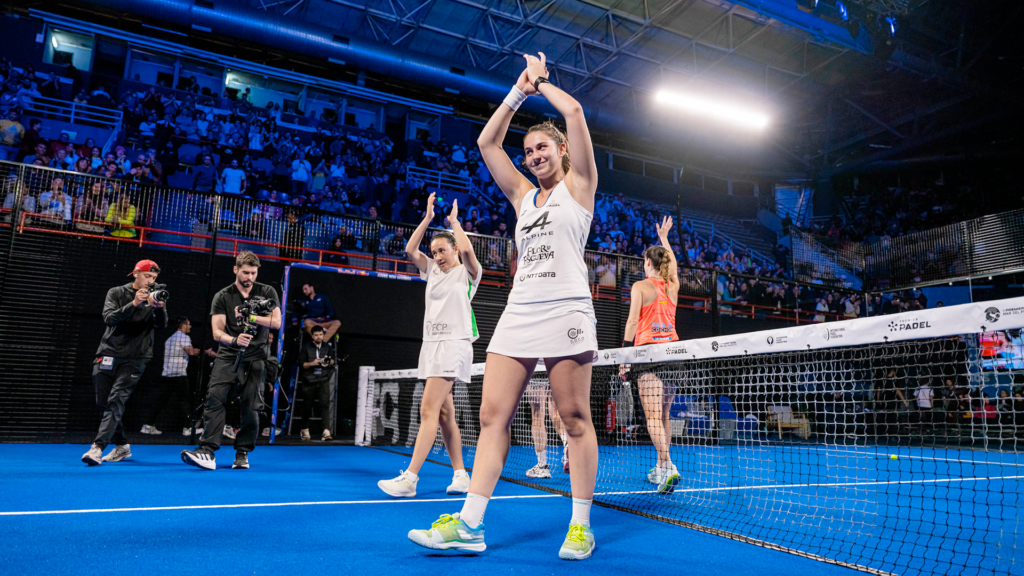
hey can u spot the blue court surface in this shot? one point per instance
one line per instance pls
(305, 510)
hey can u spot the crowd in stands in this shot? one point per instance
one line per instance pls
(306, 169)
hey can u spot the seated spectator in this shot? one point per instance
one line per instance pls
(28, 201)
(11, 134)
(56, 206)
(92, 207)
(82, 97)
(61, 161)
(32, 137)
(319, 312)
(40, 153)
(99, 97)
(121, 215)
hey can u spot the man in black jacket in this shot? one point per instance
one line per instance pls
(229, 332)
(131, 314)
(318, 360)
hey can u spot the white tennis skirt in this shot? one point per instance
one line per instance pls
(446, 359)
(546, 329)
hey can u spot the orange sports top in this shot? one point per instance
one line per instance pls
(657, 319)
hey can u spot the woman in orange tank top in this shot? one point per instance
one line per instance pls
(652, 319)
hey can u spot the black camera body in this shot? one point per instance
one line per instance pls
(256, 306)
(158, 291)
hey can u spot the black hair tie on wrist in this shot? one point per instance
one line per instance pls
(540, 80)
(627, 344)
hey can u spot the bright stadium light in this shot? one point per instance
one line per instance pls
(713, 109)
(843, 11)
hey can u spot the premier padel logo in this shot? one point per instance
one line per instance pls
(992, 315)
(903, 325)
(675, 350)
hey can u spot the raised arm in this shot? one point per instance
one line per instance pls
(511, 181)
(412, 246)
(465, 246)
(582, 177)
(673, 268)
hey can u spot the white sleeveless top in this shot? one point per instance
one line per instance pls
(551, 240)
(449, 315)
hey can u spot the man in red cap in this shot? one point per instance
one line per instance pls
(132, 315)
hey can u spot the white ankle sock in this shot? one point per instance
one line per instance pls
(581, 512)
(473, 510)
(542, 457)
(412, 476)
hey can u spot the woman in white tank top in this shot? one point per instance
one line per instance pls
(549, 314)
(453, 275)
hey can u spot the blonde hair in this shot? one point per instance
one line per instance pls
(661, 260)
(548, 127)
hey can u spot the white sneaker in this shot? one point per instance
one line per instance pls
(658, 475)
(229, 432)
(266, 432)
(401, 487)
(187, 431)
(119, 453)
(326, 436)
(304, 434)
(460, 483)
(94, 457)
(539, 471)
(200, 459)
(147, 429)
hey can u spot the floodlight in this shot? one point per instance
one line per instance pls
(710, 108)
(891, 24)
(843, 13)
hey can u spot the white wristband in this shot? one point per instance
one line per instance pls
(515, 98)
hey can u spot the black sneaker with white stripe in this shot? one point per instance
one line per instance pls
(199, 458)
(241, 460)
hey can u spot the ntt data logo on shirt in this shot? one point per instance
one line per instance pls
(912, 324)
(437, 329)
(524, 277)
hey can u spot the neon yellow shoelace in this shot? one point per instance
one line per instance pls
(444, 520)
(577, 533)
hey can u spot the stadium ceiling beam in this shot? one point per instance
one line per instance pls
(872, 117)
(909, 117)
(374, 14)
(620, 47)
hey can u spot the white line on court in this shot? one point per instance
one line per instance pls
(887, 455)
(819, 485)
(264, 505)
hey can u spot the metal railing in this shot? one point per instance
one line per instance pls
(441, 180)
(224, 224)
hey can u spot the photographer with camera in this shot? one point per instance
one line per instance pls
(132, 313)
(244, 313)
(318, 361)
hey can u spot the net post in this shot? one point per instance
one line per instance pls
(362, 438)
(716, 321)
